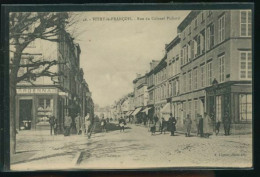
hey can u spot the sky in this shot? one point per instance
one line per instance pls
(114, 51)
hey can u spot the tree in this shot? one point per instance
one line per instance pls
(25, 27)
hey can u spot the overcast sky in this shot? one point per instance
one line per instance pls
(114, 51)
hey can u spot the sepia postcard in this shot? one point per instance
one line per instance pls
(130, 89)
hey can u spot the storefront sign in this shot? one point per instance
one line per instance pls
(218, 91)
(63, 94)
(36, 90)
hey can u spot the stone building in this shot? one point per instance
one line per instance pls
(216, 66)
(38, 98)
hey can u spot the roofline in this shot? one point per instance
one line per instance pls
(193, 14)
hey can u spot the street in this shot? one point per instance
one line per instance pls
(134, 148)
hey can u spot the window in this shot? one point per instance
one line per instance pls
(245, 23)
(189, 81)
(245, 65)
(192, 49)
(221, 68)
(195, 23)
(184, 82)
(196, 106)
(209, 73)
(218, 109)
(209, 13)
(182, 63)
(189, 51)
(45, 103)
(202, 75)
(189, 110)
(221, 28)
(195, 80)
(210, 37)
(198, 45)
(202, 41)
(245, 107)
(184, 110)
(189, 30)
(202, 16)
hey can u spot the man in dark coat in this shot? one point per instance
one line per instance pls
(227, 123)
(122, 124)
(52, 122)
(172, 124)
(67, 125)
(163, 126)
(187, 123)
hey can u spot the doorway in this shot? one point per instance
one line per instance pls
(25, 114)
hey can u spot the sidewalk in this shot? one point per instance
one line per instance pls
(40, 145)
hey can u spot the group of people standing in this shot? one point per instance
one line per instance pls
(205, 125)
(163, 125)
(81, 125)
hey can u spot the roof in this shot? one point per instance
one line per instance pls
(193, 14)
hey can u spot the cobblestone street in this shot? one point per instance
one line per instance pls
(134, 148)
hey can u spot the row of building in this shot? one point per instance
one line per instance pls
(65, 94)
(207, 67)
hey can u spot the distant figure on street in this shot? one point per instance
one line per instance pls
(52, 121)
(103, 124)
(67, 124)
(198, 116)
(217, 127)
(122, 124)
(201, 126)
(87, 126)
(206, 125)
(187, 123)
(153, 125)
(227, 123)
(77, 122)
(163, 126)
(172, 124)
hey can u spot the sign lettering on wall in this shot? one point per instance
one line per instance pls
(36, 90)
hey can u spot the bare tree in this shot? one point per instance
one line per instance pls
(25, 27)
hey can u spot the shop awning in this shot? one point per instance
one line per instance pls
(166, 109)
(136, 111)
(146, 110)
(128, 113)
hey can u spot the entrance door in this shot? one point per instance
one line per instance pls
(25, 114)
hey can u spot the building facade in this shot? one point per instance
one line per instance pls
(66, 93)
(216, 66)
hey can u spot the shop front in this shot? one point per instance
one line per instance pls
(232, 101)
(36, 105)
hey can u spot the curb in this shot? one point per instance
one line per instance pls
(78, 157)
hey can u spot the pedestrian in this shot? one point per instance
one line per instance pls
(103, 124)
(206, 125)
(67, 124)
(52, 124)
(172, 124)
(187, 123)
(217, 127)
(227, 123)
(55, 126)
(77, 122)
(198, 116)
(87, 125)
(163, 126)
(122, 124)
(201, 126)
(153, 127)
